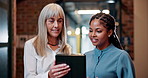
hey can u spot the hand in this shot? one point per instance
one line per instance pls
(57, 71)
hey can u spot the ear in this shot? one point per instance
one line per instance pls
(110, 32)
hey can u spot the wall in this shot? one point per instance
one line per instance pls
(127, 26)
(141, 37)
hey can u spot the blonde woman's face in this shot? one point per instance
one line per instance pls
(54, 26)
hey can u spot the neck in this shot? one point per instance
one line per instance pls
(53, 44)
(53, 41)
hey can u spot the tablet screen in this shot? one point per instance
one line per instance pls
(77, 64)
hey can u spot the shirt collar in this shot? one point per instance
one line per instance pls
(99, 52)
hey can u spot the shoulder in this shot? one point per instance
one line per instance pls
(29, 48)
(119, 51)
(123, 55)
(122, 52)
(89, 55)
(89, 52)
(30, 41)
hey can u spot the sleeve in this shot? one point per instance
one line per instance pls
(30, 63)
(125, 67)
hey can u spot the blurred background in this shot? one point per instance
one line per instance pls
(18, 23)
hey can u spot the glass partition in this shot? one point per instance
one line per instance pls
(5, 52)
(3, 62)
(3, 25)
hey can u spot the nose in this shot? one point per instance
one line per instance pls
(93, 34)
(55, 24)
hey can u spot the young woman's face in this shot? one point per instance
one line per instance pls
(54, 26)
(98, 34)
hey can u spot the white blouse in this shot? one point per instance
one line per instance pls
(36, 66)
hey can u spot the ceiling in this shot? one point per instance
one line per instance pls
(77, 19)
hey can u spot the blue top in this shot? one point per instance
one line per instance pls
(110, 62)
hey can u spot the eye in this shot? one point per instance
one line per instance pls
(99, 31)
(90, 30)
(60, 20)
(50, 20)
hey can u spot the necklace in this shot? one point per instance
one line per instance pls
(53, 44)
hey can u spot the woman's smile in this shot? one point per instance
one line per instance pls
(94, 40)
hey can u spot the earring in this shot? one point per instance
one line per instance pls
(108, 35)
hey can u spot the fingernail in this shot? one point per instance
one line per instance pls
(64, 64)
(69, 69)
(67, 66)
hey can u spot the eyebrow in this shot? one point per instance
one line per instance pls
(60, 18)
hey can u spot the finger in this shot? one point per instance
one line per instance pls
(60, 69)
(61, 73)
(65, 71)
(58, 66)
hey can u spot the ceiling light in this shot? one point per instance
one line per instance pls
(110, 1)
(88, 11)
(106, 11)
(69, 32)
(84, 30)
(77, 32)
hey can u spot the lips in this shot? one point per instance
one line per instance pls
(55, 30)
(94, 40)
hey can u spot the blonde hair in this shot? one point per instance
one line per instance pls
(41, 40)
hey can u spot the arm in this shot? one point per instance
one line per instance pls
(30, 63)
(125, 67)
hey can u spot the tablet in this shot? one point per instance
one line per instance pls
(77, 64)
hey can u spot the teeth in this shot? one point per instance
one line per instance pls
(94, 40)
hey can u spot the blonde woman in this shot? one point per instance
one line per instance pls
(40, 51)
